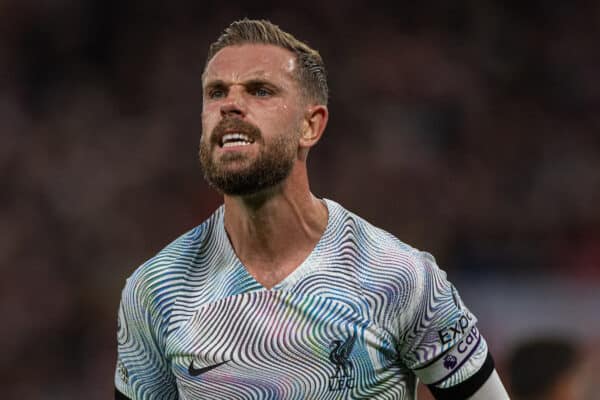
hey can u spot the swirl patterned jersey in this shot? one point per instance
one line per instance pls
(365, 316)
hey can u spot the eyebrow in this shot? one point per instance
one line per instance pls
(219, 83)
(215, 83)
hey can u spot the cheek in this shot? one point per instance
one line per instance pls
(285, 118)
(210, 109)
(208, 121)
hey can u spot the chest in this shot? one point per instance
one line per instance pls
(276, 345)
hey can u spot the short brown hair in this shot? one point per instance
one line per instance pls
(311, 72)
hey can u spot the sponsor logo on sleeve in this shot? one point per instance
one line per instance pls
(444, 366)
(466, 344)
(451, 333)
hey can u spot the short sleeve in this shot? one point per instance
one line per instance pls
(441, 343)
(142, 370)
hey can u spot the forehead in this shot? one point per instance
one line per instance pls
(248, 61)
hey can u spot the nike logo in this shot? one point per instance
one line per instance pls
(199, 371)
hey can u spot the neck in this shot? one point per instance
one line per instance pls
(272, 232)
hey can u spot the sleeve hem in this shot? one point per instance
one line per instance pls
(120, 396)
(467, 388)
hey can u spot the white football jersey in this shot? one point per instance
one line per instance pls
(365, 316)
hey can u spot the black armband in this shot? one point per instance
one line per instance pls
(468, 387)
(120, 396)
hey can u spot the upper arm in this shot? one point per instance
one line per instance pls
(442, 344)
(492, 389)
(484, 384)
(142, 371)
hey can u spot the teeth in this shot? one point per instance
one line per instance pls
(235, 137)
(240, 143)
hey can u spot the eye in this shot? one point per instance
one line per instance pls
(261, 92)
(216, 93)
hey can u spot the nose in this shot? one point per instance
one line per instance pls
(234, 104)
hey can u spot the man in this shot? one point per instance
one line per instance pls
(280, 294)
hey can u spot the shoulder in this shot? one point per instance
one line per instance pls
(166, 270)
(384, 249)
(382, 259)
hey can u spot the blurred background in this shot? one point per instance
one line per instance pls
(469, 129)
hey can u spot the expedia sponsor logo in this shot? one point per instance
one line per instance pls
(451, 333)
(466, 343)
(462, 350)
(453, 359)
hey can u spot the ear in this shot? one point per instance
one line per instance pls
(315, 121)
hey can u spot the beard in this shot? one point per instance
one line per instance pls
(272, 165)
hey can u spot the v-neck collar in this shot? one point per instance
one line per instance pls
(305, 267)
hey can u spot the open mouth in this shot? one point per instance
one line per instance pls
(235, 139)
